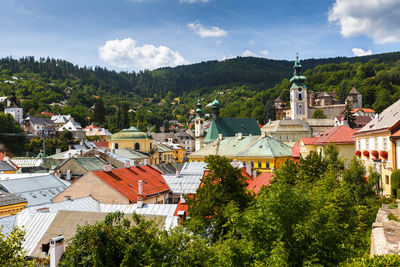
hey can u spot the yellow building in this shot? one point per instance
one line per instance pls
(263, 152)
(11, 204)
(341, 136)
(180, 154)
(376, 148)
(132, 138)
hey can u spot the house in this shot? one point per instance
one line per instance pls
(296, 153)
(341, 136)
(75, 167)
(133, 155)
(375, 146)
(36, 190)
(44, 222)
(395, 138)
(75, 128)
(287, 130)
(94, 131)
(263, 152)
(14, 109)
(359, 121)
(162, 153)
(120, 186)
(11, 204)
(363, 112)
(38, 126)
(60, 120)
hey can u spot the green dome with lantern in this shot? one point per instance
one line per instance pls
(130, 133)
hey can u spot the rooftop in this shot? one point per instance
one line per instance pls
(131, 133)
(261, 180)
(339, 135)
(10, 199)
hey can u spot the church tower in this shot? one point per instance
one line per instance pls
(298, 93)
(199, 132)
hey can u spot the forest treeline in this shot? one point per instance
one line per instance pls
(246, 86)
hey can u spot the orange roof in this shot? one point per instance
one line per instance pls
(367, 110)
(339, 135)
(308, 140)
(181, 206)
(2, 155)
(262, 180)
(396, 134)
(296, 150)
(101, 144)
(125, 181)
(46, 113)
(91, 127)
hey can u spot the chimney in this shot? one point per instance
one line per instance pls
(220, 136)
(240, 136)
(139, 203)
(68, 178)
(67, 198)
(127, 164)
(69, 155)
(56, 250)
(107, 167)
(69, 147)
(58, 150)
(254, 174)
(263, 134)
(181, 216)
(183, 201)
(177, 173)
(43, 210)
(248, 168)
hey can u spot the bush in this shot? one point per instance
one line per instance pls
(393, 205)
(395, 179)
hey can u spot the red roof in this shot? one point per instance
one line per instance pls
(181, 206)
(260, 125)
(339, 135)
(46, 113)
(396, 134)
(308, 140)
(262, 180)
(101, 145)
(366, 110)
(91, 126)
(296, 150)
(2, 155)
(125, 181)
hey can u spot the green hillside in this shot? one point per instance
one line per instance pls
(244, 85)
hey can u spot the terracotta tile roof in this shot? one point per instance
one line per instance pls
(101, 145)
(125, 181)
(296, 150)
(338, 135)
(367, 110)
(2, 155)
(261, 180)
(181, 207)
(308, 140)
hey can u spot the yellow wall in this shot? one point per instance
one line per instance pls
(180, 155)
(146, 145)
(346, 151)
(11, 209)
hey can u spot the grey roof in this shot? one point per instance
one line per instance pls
(10, 199)
(386, 119)
(194, 168)
(320, 122)
(37, 223)
(188, 180)
(286, 126)
(36, 190)
(5, 166)
(39, 120)
(130, 154)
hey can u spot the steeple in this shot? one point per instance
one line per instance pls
(198, 109)
(297, 77)
(215, 106)
(298, 93)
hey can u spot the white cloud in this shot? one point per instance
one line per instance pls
(125, 54)
(264, 53)
(377, 19)
(248, 53)
(193, 1)
(206, 32)
(358, 52)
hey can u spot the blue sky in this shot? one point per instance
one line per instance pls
(138, 34)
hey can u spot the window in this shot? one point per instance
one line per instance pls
(151, 146)
(267, 165)
(300, 96)
(387, 179)
(376, 143)
(384, 143)
(137, 146)
(259, 164)
(252, 164)
(358, 144)
(116, 145)
(287, 137)
(244, 163)
(367, 144)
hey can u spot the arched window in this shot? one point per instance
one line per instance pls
(151, 146)
(300, 96)
(116, 145)
(137, 146)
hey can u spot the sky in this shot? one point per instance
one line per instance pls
(133, 35)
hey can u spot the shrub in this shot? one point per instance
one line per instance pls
(393, 205)
(366, 153)
(358, 153)
(384, 154)
(395, 179)
(375, 153)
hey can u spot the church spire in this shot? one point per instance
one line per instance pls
(199, 111)
(215, 106)
(297, 77)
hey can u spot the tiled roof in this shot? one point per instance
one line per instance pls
(101, 145)
(261, 180)
(130, 154)
(125, 181)
(39, 120)
(367, 110)
(181, 207)
(384, 121)
(230, 127)
(296, 150)
(308, 140)
(339, 135)
(2, 155)
(27, 162)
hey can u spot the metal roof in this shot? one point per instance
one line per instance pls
(36, 223)
(10, 199)
(37, 189)
(183, 184)
(27, 162)
(5, 166)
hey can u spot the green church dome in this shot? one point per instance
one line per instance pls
(131, 133)
(215, 103)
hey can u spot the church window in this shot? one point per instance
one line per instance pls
(300, 96)
(137, 146)
(116, 145)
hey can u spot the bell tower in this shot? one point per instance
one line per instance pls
(199, 132)
(298, 93)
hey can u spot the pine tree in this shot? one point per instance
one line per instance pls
(349, 116)
(99, 112)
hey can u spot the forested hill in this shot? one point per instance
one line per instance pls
(244, 85)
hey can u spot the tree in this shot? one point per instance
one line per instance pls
(270, 112)
(11, 250)
(222, 193)
(395, 181)
(99, 112)
(349, 116)
(319, 114)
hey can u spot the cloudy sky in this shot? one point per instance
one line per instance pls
(139, 34)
